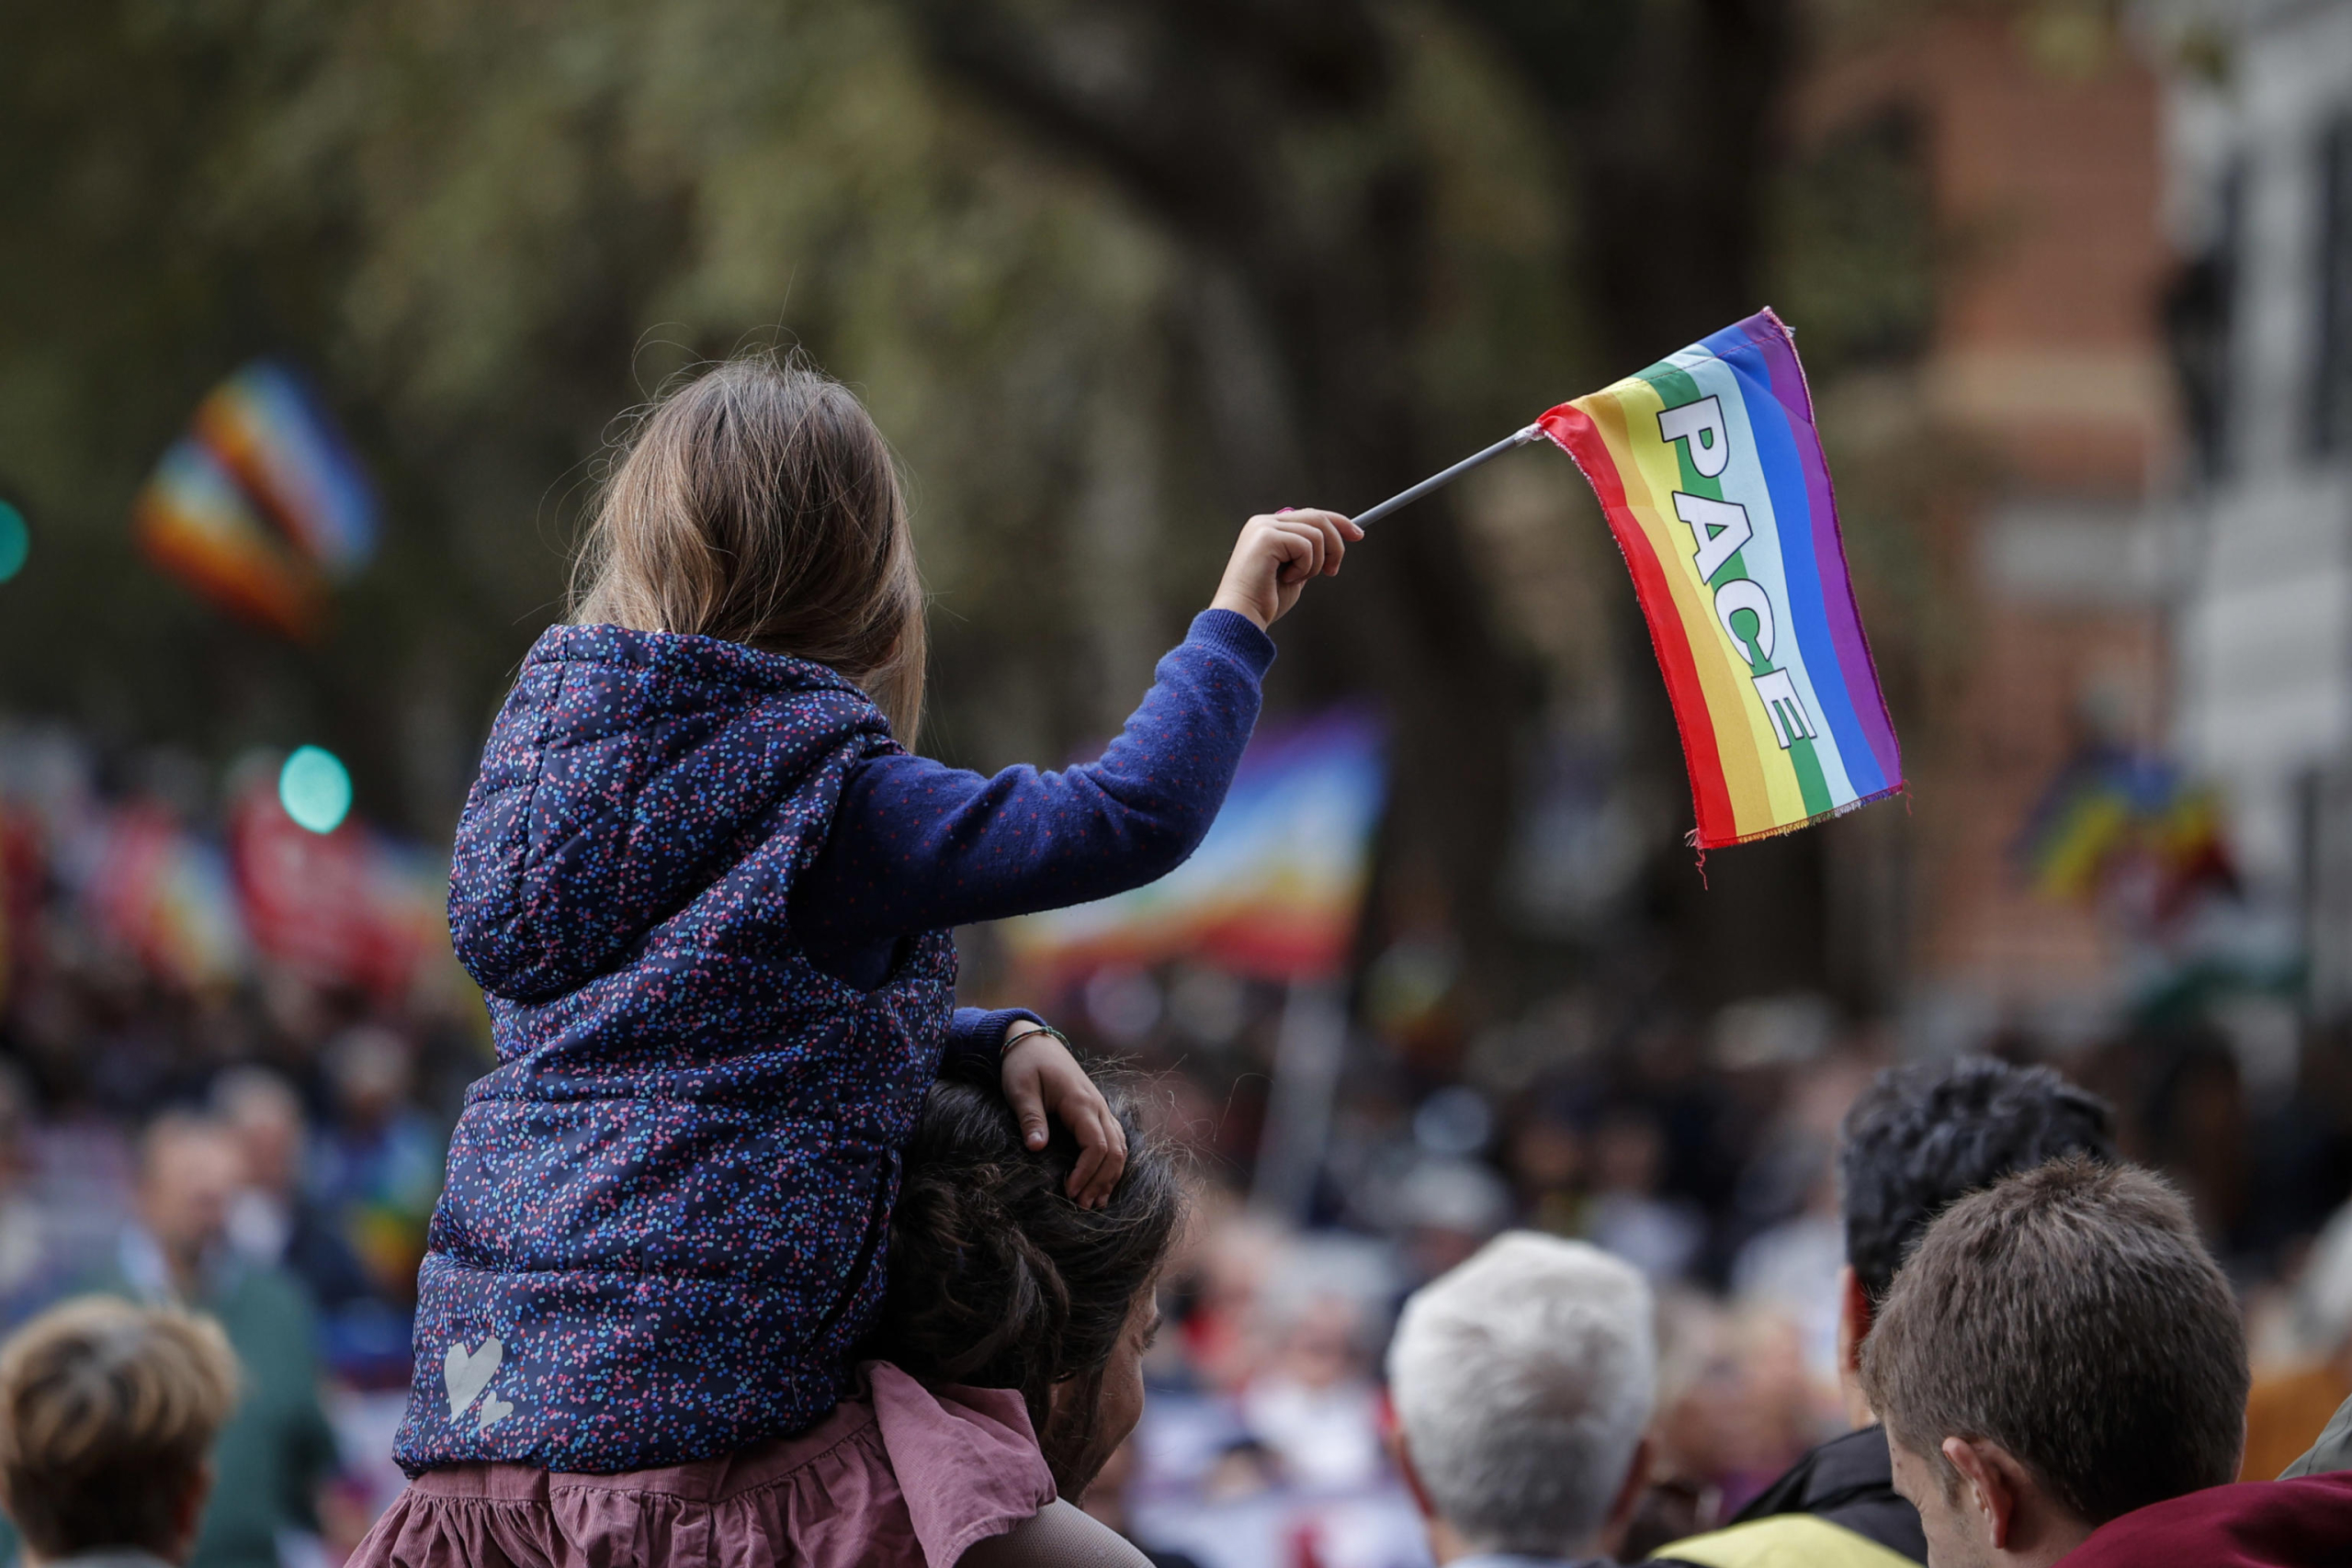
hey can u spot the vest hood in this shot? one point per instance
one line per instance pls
(627, 772)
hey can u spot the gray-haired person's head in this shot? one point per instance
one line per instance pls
(1522, 1382)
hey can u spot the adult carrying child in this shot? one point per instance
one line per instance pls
(710, 895)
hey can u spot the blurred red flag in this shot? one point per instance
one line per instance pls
(346, 907)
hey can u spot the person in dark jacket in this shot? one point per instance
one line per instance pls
(710, 895)
(1916, 1140)
(272, 1220)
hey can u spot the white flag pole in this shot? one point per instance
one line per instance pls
(1308, 1049)
(1437, 481)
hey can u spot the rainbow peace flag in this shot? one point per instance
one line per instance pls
(1275, 887)
(269, 429)
(1711, 472)
(166, 895)
(196, 522)
(261, 505)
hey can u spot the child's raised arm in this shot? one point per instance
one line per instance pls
(918, 846)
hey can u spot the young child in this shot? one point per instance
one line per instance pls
(709, 896)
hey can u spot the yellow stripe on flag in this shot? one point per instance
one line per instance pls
(1758, 775)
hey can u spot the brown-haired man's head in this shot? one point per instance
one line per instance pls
(108, 1413)
(2059, 1350)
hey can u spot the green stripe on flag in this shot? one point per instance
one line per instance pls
(1676, 388)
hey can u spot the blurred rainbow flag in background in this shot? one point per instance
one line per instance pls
(1711, 472)
(1275, 888)
(270, 430)
(166, 895)
(2110, 810)
(350, 906)
(261, 505)
(195, 522)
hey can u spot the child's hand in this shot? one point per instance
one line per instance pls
(1275, 555)
(1040, 1078)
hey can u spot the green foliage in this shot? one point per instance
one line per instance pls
(1853, 246)
(491, 229)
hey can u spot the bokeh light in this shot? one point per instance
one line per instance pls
(15, 541)
(315, 788)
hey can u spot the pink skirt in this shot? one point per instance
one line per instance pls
(906, 1477)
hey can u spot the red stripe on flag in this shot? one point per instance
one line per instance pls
(1572, 430)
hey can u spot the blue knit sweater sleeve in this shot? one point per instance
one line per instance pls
(976, 1041)
(916, 845)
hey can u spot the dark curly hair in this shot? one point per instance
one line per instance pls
(1921, 1138)
(996, 1280)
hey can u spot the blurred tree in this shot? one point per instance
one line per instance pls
(1267, 138)
(1277, 143)
(1666, 113)
(493, 230)
(1109, 277)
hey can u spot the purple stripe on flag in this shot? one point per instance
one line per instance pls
(1778, 438)
(1860, 671)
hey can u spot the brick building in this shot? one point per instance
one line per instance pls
(2040, 137)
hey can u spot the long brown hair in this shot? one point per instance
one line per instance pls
(758, 503)
(998, 1279)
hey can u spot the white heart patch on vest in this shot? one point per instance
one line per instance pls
(468, 1372)
(494, 1410)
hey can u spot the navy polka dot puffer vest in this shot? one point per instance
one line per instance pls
(664, 1226)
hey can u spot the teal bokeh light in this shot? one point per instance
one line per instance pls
(315, 789)
(15, 541)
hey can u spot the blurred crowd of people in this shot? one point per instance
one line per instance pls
(1704, 1153)
(191, 1113)
(268, 1143)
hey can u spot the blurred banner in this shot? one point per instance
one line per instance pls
(262, 505)
(348, 907)
(167, 897)
(203, 911)
(8, 897)
(1272, 892)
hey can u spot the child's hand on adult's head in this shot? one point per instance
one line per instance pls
(1275, 555)
(1041, 1078)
